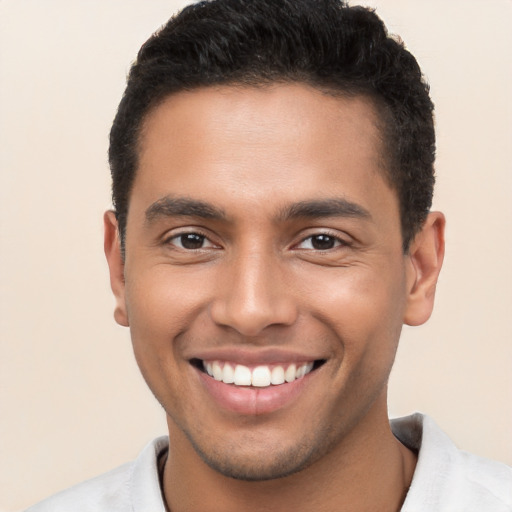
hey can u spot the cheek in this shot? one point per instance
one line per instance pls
(363, 307)
(160, 308)
(162, 301)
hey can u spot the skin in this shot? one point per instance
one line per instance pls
(258, 284)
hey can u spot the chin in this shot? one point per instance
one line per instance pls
(257, 469)
(267, 463)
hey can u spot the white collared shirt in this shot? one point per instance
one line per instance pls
(445, 480)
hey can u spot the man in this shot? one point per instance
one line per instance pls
(272, 167)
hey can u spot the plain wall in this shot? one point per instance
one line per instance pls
(72, 402)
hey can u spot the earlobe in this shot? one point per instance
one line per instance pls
(426, 256)
(112, 247)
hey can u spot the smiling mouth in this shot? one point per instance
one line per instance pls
(260, 376)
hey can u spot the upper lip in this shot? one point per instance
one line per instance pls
(267, 355)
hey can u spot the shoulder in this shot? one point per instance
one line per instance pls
(106, 492)
(130, 487)
(449, 479)
(488, 480)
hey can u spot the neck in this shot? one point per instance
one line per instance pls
(368, 470)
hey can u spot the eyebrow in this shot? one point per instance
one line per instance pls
(169, 206)
(335, 207)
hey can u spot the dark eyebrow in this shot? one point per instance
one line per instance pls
(169, 206)
(324, 208)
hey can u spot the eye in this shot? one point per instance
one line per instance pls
(190, 241)
(320, 242)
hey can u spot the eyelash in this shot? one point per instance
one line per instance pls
(338, 242)
(170, 240)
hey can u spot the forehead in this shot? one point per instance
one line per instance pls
(282, 143)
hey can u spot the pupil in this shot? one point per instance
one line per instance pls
(192, 241)
(322, 242)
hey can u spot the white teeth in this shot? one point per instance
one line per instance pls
(303, 370)
(289, 374)
(217, 371)
(242, 376)
(229, 374)
(277, 376)
(261, 376)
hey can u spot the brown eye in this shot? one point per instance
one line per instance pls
(191, 241)
(320, 242)
(323, 242)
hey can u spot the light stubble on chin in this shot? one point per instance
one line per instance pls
(271, 464)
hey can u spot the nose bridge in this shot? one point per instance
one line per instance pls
(253, 294)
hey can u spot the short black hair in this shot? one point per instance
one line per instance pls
(326, 44)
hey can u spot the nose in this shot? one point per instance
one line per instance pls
(253, 295)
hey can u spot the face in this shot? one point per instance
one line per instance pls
(264, 284)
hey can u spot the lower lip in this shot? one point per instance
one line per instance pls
(250, 400)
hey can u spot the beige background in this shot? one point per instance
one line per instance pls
(72, 403)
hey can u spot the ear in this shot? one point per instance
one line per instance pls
(112, 246)
(425, 256)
